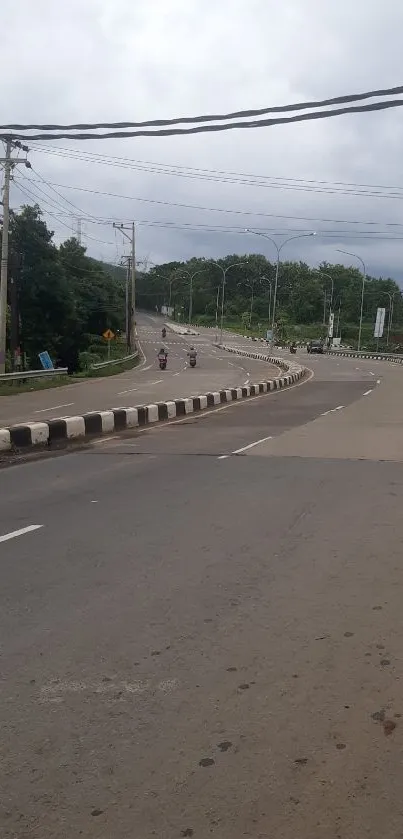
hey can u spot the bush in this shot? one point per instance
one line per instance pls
(87, 359)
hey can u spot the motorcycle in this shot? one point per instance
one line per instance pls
(163, 362)
(164, 332)
(192, 362)
(293, 349)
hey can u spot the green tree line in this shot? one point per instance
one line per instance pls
(60, 299)
(303, 298)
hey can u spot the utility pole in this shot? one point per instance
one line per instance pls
(79, 229)
(128, 261)
(13, 285)
(9, 164)
(132, 296)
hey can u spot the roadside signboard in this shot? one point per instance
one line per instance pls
(269, 335)
(46, 360)
(379, 323)
(331, 325)
(108, 335)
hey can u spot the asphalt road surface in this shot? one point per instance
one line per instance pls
(202, 635)
(142, 385)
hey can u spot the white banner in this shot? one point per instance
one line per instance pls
(379, 323)
(331, 325)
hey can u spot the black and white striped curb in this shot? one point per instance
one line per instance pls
(290, 366)
(97, 423)
(397, 359)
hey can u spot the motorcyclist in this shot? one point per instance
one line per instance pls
(192, 353)
(162, 354)
(164, 332)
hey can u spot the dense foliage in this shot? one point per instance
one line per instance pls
(64, 300)
(304, 293)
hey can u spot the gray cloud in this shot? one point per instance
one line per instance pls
(101, 61)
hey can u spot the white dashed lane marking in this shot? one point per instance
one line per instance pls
(21, 532)
(55, 408)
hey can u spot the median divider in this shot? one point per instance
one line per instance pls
(376, 356)
(53, 432)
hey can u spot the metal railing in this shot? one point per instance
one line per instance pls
(100, 364)
(33, 374)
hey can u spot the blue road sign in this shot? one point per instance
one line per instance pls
(46, 360)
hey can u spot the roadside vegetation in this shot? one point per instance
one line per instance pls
(60, 299)
(303, 300)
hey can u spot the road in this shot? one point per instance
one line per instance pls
(142, 385)
(199, 643)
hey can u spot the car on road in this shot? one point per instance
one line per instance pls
(315, 346)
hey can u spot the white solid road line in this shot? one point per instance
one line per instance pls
(367, 392)
(55, 408)
(20, 532)
(223, 457)
(251, 445)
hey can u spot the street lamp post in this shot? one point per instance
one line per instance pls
(329, 277)
(224, 277)
(216, 311)
(263, 277)
(278, 249)
(251, 285)
(391, 311)
(364, 274)
(191, 278)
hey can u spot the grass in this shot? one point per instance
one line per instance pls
(30, 385)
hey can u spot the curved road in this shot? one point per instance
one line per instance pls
(202, 636)
(144, 384)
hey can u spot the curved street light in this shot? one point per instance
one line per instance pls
(191, 278)
(224, 277)
(279, 248)
(364, 276)
(263, 277)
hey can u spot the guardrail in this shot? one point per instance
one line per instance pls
(101, 364)
(33, 374)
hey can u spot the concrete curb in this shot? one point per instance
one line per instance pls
(95, 424)
(397, 359)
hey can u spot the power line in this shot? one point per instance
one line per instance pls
(176, 169)
(34, 197)
(337, 100)
(199, 129)
(219, 209)
(265, 182)
(52, 187)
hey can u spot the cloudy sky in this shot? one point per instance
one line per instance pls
(144, 59)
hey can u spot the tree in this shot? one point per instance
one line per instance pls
(46, 304)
